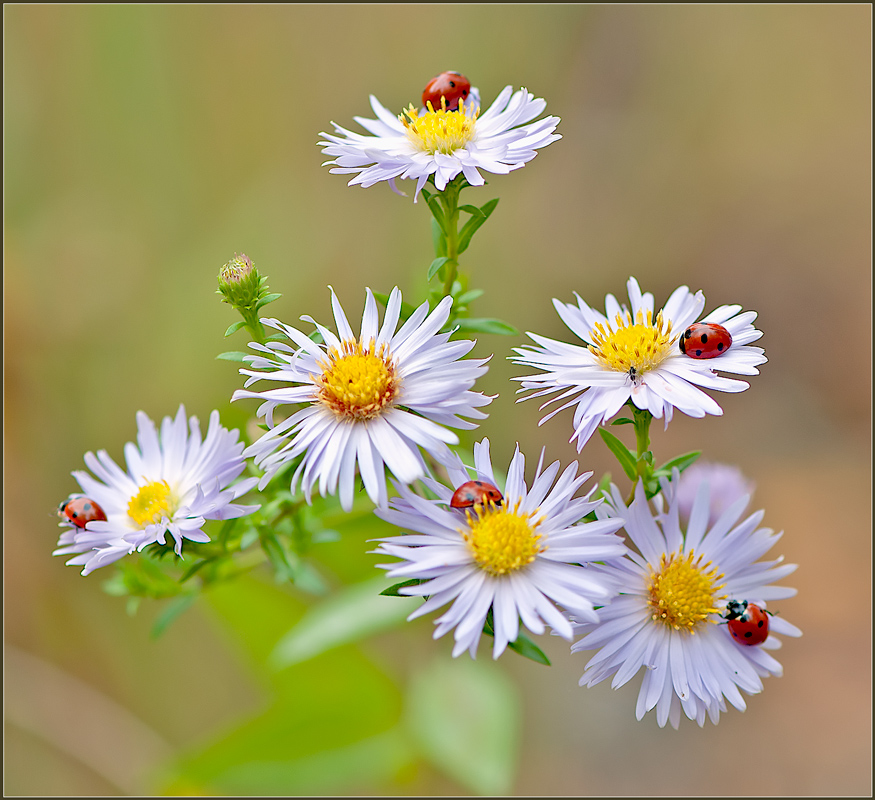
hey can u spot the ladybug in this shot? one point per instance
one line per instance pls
(705, 340)
(80, 511)
(475, 493)
(748, 624)
(451, 86)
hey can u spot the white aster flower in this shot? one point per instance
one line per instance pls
(518, 559)
(175, 482)
(422, 144)
(667, 615)
(371, 400)
(631, 352)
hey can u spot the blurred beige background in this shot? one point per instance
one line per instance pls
(727, 148)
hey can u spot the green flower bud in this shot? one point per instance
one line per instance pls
(240, 284)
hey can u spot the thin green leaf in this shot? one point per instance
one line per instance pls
(170, 612)
(623, 421)
(622, 453)
(325, 536)
(392, 591)
(234, 327)
(681, 462)
(527, 648)
(438, 239)
(483, 325)
(268, 299)
(354, 613)
(437, 212)
(469, 296)
(523, 645)
(193, 569)
(472, 210)
(232, 355)
(435, 266)
(604, 486)
(473, 225)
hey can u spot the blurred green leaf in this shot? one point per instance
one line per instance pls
(465, 716)
(467, 297)
(370, 762)
(170, 612)
(604, 486)
(483, 325)
(623, 421)
(351, 614)
(232, 356)
(234, 327)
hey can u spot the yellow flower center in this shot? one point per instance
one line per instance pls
(152, 503)
(684, 591)
(439, 131)
(633, 346)
(501, 539)
(358, 382)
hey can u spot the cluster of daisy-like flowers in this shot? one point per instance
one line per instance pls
(656, 582)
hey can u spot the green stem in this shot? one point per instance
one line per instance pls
(641, 419)
(450, 199)
(253, 325)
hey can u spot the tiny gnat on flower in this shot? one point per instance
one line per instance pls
(519, 556)
(175, 482)
(371, 400)
(635, 353)
(675, 615)
(438, 142)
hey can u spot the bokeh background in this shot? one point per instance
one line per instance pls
(727, 148)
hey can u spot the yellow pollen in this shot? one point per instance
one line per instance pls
(633, 346)
(439, 131)
(684, 591)
(152, 503)
(358, 382)
(501, 539)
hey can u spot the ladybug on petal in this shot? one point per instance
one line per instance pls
(80, 511)
(705, 340)
(476, 493)
(748, 623)
(451, 86)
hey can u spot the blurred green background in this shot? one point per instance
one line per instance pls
(727, 148)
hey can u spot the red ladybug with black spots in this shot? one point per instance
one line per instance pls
(476, 493)
(748, 623)
(705, 340)
(80, 511)
(452, 86)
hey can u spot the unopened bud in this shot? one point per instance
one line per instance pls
(240, 284)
